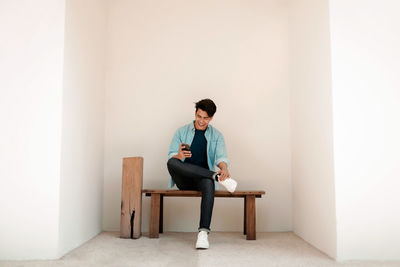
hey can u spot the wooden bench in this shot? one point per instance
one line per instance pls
(156, 210)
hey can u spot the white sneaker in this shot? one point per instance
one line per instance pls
(229, 184)
(202, 240)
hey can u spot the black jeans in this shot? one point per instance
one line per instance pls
(188, 176)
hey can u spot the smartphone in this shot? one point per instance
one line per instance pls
(186, 148)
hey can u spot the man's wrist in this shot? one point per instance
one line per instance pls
(223, 166)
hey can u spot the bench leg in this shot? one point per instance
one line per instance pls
(244, 217)
(251, 217)
(154, 215)
(161, 214)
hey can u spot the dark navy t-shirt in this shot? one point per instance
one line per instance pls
(199, 149)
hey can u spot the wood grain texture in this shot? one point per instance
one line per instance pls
(131, 197)
(154, 216)
(251, 217)
(190, 193)
(244, 217)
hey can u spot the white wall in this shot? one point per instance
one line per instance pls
(52, 134)
(165, 55)
(81, 186)
(311, 108)
(366, 106)
(31, 62)
(161, 57)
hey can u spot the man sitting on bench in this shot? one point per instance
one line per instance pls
(192, 166)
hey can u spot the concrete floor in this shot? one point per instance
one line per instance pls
(177, 249)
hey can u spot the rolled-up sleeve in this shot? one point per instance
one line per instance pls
(174, 146)
(221, 155)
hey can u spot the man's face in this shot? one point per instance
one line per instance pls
(202, 119)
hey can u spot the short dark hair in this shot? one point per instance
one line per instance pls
(208, 106)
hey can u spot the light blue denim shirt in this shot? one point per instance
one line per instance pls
(216, 150)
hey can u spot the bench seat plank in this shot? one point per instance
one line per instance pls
(189, 193)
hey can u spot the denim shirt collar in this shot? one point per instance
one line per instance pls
(192, 128)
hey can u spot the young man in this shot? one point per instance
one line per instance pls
(192, 167)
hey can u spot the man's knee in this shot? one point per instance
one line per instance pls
(171, 166)
(171, 162)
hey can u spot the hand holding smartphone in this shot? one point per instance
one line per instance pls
(186, 147)
(185, 150)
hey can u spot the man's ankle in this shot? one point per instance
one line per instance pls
(215, 176)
